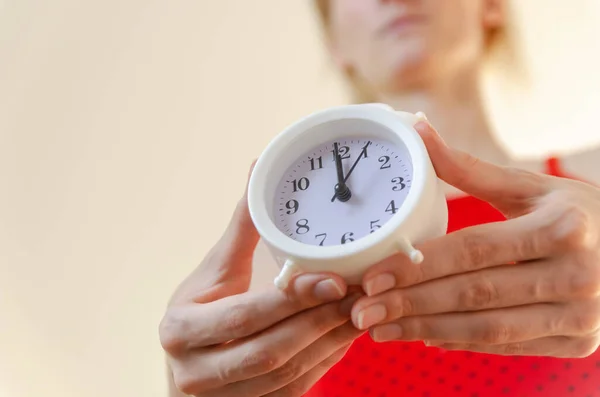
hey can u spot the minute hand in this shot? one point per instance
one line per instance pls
(362, 153)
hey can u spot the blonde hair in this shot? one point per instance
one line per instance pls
(500, 43)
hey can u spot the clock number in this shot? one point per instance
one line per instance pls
(347, 237)
(292, 206)
(301, 184)
(324, 235)
(318, 165)
(385, 160)
(302, 226)
(344, 152)
(364, 149)
(398, 184)
(374, 225)
(391, 207)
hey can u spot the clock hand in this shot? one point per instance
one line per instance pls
(362, 153)
(342, 192)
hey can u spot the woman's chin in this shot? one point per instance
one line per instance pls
(410, 72)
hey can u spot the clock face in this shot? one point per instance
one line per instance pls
(377, 173)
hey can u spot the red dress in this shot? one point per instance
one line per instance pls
(410, 369)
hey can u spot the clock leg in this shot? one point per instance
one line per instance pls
(285, 275)
(407, 248)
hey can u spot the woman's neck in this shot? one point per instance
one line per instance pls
(456, 110)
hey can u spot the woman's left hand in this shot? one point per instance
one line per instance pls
(529, 285)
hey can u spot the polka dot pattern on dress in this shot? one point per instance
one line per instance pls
(455, 374)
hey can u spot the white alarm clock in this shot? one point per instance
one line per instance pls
(344, 188)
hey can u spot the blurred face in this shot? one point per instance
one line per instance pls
(391, 45)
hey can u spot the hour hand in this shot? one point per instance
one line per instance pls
(342, 192)
(338, 158)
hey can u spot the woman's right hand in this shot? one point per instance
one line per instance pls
(222, 340)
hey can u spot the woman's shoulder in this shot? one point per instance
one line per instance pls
(583, 165)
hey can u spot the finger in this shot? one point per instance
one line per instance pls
(499, 287)
(549, 231)
(241, 227)
(552, 346)
(478, 178)
(473, 248)
(228, 262)
(302, 385)
(240, 238)
(212, 368)
(492, 327)
(196, 325)
(296, 367)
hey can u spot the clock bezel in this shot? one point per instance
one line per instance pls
(295, 140)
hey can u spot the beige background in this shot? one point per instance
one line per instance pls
(126, 131)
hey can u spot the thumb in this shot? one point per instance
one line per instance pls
(227, 267)
(229, 262)
(495, 184)
(241, 235)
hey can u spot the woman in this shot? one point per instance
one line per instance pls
(496, 308)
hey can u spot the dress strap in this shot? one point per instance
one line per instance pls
(553, 166)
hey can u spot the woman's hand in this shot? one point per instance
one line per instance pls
(526, 286)
(225, 341)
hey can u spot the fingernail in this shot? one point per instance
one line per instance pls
(380, 283)
(386, 332)
(348, 302)
(328, 290)
(371, 315)
(421, 116)
(424, 127)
